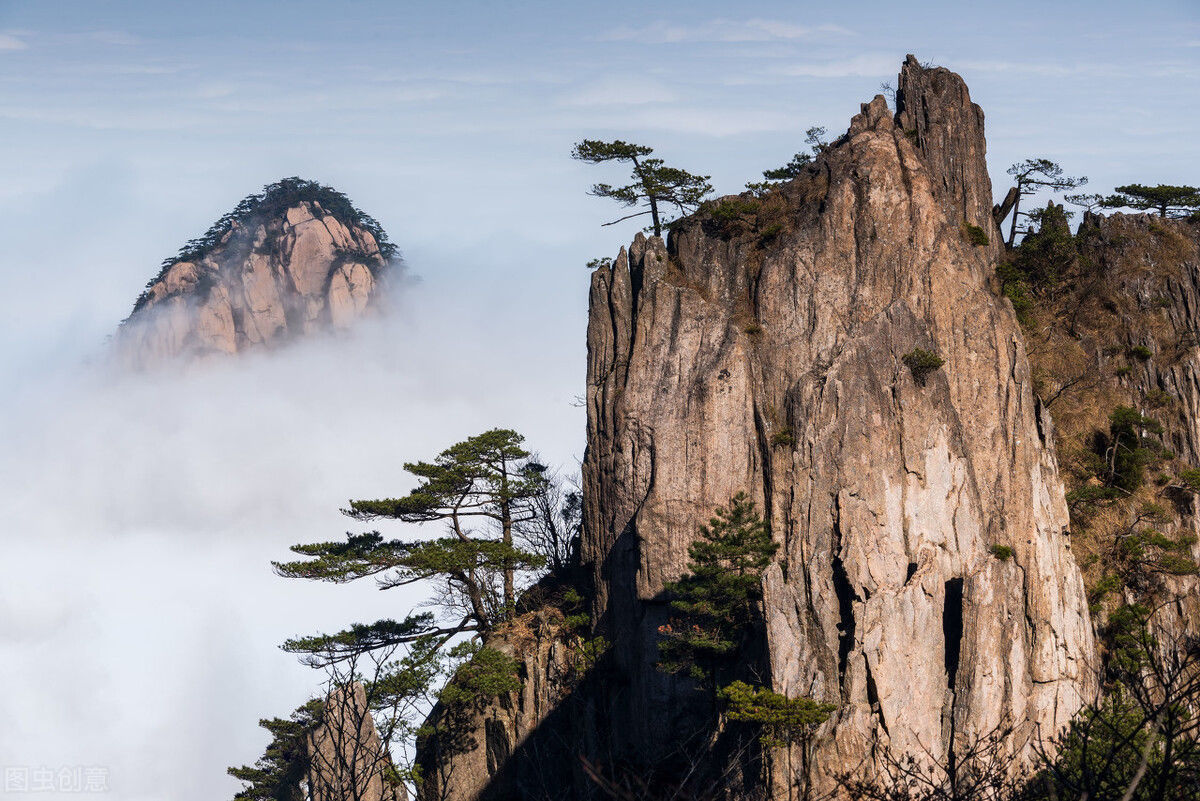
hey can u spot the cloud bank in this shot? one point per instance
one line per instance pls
(139, 618)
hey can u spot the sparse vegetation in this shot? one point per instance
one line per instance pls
(921, 363)
(815, 139)
(1001, 552)
(783, 438)
(975, 235)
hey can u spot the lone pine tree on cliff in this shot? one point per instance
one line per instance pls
(654, 184)
(483, 489)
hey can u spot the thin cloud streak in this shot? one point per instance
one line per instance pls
(869, 65)
(724, 30)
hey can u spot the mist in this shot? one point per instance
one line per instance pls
(139, 617)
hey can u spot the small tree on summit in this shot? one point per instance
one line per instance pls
(1168, 201)
(653, 184)
(1034, 175)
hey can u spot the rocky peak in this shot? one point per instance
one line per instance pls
(770, 356)
(924, 585)
(296, 258)
(934, 109)
(346, 758)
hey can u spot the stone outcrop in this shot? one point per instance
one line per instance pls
(925, 583)
(346, 759)
(524, 744)
(768, 356)
(1153, 266)
(271, 275)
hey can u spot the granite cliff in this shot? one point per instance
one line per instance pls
(294, 259)
(768, 356)
(925, 582)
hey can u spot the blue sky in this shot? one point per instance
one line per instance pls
(451, 122)
(137, 611)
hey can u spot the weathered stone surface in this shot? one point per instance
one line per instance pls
(773, 364)
(264, 284)
(1148, 297)
(523, 745)
(347, 761)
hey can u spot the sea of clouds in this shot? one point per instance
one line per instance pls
(139, 616)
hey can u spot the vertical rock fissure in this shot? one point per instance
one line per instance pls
(952, 628)
(845, 599)
(873, 697)
(952, 633)
(764, 455)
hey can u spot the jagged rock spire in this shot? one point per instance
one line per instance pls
(934, 108)
(732, 360)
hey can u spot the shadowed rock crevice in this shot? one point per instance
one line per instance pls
(845, 598)
(952, 629)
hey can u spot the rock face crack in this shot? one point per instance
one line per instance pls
(952, 629)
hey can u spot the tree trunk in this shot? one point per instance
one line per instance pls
(510, 601)
(637, 167)
(1012, 232)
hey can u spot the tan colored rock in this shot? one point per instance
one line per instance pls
(264, 283)
(523, 745)
(735, 361)
(350, 290)
(347, 761)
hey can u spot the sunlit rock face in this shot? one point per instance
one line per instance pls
(285, 266)
(767, 355)
(346, 759)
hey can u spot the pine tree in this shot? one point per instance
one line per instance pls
(653, 183)
(815, 139)
(279, 774)
(716, 604)
(487, 479)
(1167, 200)
(1032, 176)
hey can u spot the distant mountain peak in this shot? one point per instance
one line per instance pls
(290, 260)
